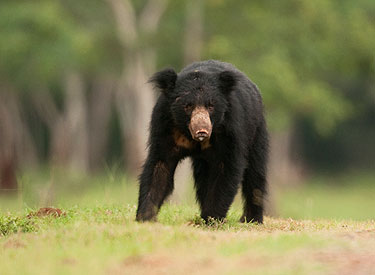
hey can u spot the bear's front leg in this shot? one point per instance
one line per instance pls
(156, 183)
(216, 186)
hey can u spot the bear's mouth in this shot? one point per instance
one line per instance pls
(200, 126)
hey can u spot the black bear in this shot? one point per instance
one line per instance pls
(212, 113)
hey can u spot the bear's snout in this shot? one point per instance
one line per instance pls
(202, 134)
(200, 124)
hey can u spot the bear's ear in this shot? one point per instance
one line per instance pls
(227, 81)
(164, 80)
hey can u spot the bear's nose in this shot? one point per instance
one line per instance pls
(201, 134)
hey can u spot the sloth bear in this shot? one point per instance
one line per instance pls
(212, 113)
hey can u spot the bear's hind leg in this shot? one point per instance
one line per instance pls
(254, 183)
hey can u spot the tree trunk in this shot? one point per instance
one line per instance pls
(16, 146)
(100, 114)
(56, 123)
(193, 31)
(134, 98)
(283, 168)
(8, 181)
(77, 122)
(59, 147)
(68, 127)
(135, 106)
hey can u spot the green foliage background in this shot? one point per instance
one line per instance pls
(313, 61)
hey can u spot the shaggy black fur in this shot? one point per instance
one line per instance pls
(235, 153)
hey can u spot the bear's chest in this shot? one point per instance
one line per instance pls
(182, 143)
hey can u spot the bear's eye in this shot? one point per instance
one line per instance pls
(188, 107)
(210, 107)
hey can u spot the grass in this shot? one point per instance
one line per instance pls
(350, 197)
(332, 230)
(106, 240)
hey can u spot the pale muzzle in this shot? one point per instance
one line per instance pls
(200, 124)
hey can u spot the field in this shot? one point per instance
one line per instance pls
(322, 229)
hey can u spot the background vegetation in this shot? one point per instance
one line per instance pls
(74, 98)
(73, 75)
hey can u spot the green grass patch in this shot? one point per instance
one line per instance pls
(330, 198)
(12, 224)
(323, 228)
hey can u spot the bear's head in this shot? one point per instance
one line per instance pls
(198, 100)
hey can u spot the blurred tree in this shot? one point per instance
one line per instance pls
(8, 138)
(134, 99)
(193, 42)
(46, 55)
